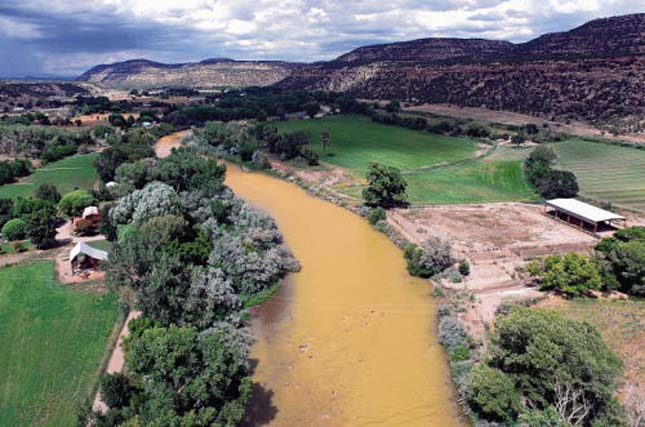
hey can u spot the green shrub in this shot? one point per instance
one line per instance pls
(247, 149)
(19, 247)
(460, 353)
(572, 273)
(464, 267)
(376, 215)
(432, 258)
(73, 203)
(15, 229)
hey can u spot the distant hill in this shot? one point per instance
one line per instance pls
(215, 72)
(595, 72)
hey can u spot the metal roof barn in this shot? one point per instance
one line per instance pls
(582, 212)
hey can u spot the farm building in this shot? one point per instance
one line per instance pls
(583, 215)
(84, 257)
(90, 214)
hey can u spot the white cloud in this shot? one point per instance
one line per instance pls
(304, 30)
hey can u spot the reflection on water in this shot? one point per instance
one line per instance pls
(350, 340)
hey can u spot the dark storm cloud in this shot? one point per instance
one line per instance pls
(56, 37)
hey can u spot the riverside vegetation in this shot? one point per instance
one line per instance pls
(190, 255)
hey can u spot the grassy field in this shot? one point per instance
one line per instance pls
(53, 339)
(606, 172)
(356, 141)
(473, 182)
(66, 175)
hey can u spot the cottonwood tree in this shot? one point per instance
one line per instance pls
(191, 378)
(556, 362)
(41, 226)
(385, 187)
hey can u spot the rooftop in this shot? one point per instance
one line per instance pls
(84, 248)
(583, 210)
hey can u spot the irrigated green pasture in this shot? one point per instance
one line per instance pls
(472, 182)
(355, 141)
(53, 339)
(438, 169)
(606, 172)
(66, 174)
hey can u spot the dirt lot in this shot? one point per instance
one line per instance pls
(493, 230)
(506, 117)
(497, 239)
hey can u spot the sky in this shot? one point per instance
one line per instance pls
(65, 38)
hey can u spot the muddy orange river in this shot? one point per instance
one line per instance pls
(351, 339)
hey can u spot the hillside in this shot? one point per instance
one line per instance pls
(592, 73)
(36, 94)
(217, 72)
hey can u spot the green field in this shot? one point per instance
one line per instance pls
(606, 172)
(356, 141)
(53, 339)
(67, 174)
(473, 182)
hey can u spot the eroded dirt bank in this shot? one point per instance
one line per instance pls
(351, 339)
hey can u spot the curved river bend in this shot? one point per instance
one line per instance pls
(350, 340)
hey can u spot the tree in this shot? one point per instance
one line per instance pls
(324, 141)
(549, 417)
(41, 227)
(545, 354)
(492, 394)
(190, 378)
(73, 203)
(6, 210)
(113, 157)
(186, 170)
(48, 192)
(572, 273)
(539, 162)
(624, 259)
(116, 390)
(385, 187)
(393, 106)
(518, 139)
(155, 199)
(14, 229)
(290, 144)
(311, 108)
(117, 120)
(106, 227)
(555, 184)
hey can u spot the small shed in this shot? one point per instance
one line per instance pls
(84, 257)
(583, 214)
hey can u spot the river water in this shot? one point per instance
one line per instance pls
(351, 339)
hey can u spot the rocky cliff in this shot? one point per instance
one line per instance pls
(217, 72)
(595, 72)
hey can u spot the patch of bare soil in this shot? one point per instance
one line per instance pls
(517, 119)
(497, 239)
(117, 359)
(326, 180)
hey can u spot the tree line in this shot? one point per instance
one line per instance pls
(191, 256)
